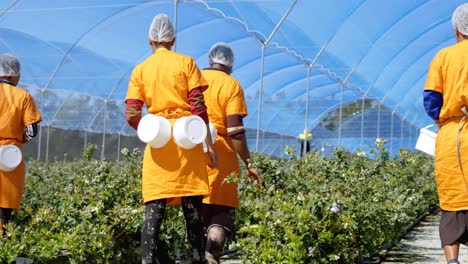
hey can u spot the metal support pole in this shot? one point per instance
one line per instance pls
(362, 120)
(40, 129)
(104, 131)
(85, 140)
(391, 133)
(378, 120)
(260, 93)
(341, 114)
(118, 147)
(306, 122)
(47, 144)
(176, 5)
(401, 134)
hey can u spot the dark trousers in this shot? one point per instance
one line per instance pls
(5, 214)
(154, 214)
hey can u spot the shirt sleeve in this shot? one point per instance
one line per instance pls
(139, 105)
(30, 131)
(135, 86)
(434, 80)
(197, 104)
(433, 102)
(236, 103)
(31, 114)
(235, 126)
(194, 76)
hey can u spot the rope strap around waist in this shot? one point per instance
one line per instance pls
(460, 124)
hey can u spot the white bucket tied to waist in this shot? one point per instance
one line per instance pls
(10, 157)
(213, 133)
(189, 131)
(154, 130)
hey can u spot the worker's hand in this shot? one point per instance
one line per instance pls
(132, 114)
(213, 157)
(253, 174)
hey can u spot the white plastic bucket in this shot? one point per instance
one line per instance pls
(189, 131)
(10, 157)
(426, 140)
(154, 130)
(214, 134)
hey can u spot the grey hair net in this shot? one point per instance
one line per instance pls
(161, 29)
(460, 19)
(9, 65)
(221, 53)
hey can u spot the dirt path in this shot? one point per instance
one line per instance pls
(422, 245)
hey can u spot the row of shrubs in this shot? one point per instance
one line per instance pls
(316, 209)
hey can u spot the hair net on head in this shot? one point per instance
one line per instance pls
(460, 19)
(221, 53)
(161, 29)
(9, 65)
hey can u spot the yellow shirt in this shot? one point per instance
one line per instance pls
(223, 97)
(448, 74)
(17, 110)
(163, 82)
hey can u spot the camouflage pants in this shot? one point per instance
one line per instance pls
(154, 213)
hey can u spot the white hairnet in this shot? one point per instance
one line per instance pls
(9, 65)
(221, 53)
(460, 19)
(161, 29)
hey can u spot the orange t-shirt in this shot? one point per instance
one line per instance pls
(163, 82)
(17, 110)
(448, 75)
(223, 97)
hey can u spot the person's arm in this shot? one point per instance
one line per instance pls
(433, 102)
(198, 107)
(433, 89)
(31, 119)
(135, 98)
(197, 103)
(236, 132)
(133, 112)
(30, 131)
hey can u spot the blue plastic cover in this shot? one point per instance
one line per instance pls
(77, 56)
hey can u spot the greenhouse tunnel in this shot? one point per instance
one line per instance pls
(351, 72)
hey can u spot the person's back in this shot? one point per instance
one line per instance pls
(226, 109)
(452, 63)
(449, 76)
(224, 97)
(18, 124)
(171, 86)
(445, 101)
(12, 107)
(168, 75)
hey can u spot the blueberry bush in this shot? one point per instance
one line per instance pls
(340, 209)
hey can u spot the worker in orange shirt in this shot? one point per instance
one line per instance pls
(171, 86)
(226, 109)
(18, 124)
(446, 103)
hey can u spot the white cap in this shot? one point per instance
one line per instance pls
(221, 53)
(460, 19)
(161, 29)
(9, 65)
